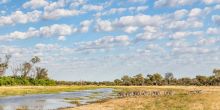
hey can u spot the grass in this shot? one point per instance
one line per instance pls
(208, 100)
(76, 102)
(23, 90)
(77, 98)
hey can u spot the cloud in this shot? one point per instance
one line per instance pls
(58, 13)
(137, 33)
(178, 44)
(85, 25)
(121, 10)
(20, 17)
(138, 1)
(92, 7)
(148, 36)
(61, 38)
(4, 1)
(106, 42)
(184, 34)
(179, 14)
(217, 7)
(207, 41)
(55, 5)
(111, 11)
(173, 3)
(138, 20)
(216, 19)
(34, 4)
(130, 29)
(138, 9)
(192, 50)
(185, 24)
(195, 12)
(213, 31)
(41, 46)
(104, 25)
(56, 30)
(77, 3)
(11, 50)
(211, 1)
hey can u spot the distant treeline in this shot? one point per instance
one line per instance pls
(28, 73)
(154, 79)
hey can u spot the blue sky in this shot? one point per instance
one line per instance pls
(106, 39)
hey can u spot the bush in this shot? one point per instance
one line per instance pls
(12, 81)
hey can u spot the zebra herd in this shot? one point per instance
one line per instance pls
(146, 93)
(195, 92)
(153, 93)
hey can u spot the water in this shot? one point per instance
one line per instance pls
(53, 101)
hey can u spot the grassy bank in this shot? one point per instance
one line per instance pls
(207, 100)
(22, 90)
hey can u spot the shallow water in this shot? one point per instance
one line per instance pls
(53, 101)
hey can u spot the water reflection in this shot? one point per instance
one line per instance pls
(53, 101)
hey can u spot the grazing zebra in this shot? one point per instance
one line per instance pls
(195, 92)
(145, 93)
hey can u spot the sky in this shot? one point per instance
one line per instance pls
(98, 40)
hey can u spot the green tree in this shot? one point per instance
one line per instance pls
(202, 80)
(185, 81)
(156, 78)
(138, 80)
(126, 80)
(117, 82)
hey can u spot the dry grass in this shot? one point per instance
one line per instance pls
(208, 100)
(22, 90)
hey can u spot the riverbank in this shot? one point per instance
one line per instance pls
(208, 99)
(23, 90)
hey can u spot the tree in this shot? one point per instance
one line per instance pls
(216, 72)
(202, 80)
(185, 81)
(42, 73)
(35, 60)
(15, 70)
(168, 77)
(126, 80)
(156, 78)
(4, 65)
(117, 82)
(138, 80)
(26, 68)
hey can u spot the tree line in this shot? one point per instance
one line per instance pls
(26, 73)
(169, 79)
(154, 79)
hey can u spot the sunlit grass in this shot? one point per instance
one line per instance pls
(22, 90)
(207, 100)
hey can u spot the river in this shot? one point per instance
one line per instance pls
(54, 101)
